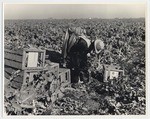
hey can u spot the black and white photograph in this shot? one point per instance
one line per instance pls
(74, 59)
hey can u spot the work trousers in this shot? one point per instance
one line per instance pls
(79, 67)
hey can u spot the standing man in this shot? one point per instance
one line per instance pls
(76, 49)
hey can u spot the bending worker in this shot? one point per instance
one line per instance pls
(76, 47)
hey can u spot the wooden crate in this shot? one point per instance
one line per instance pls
(29, 75)
(111, 72)
(63, 80)
(13, 59)
(17, 81)
(24, 77)
(53, 68)
(39, 55)
(64, 76)
(16, 59)
(23, 58)
(8, 71)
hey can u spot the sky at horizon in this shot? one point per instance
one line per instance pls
(75, 11)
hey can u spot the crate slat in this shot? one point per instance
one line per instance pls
(16, 52)
(9, 69)
(54, 68)
(18, 79)
(14, 57)
(64, 75)
(16, 84)
(14, 64)
(7, 75)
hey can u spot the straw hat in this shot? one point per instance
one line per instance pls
(98, 45)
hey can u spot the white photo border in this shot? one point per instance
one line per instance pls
(147, 14)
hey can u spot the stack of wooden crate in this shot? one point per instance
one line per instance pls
(61, 76)
(24, 63)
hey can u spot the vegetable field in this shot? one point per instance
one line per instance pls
(124, 46)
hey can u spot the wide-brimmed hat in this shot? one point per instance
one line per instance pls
(98, 45)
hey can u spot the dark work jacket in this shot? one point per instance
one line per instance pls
(78, 54)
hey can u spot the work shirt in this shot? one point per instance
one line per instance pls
(78, 53)
(82, 47)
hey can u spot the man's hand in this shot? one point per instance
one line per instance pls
(64, 64)
(88, 55)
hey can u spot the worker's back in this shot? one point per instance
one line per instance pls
(71, 37)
